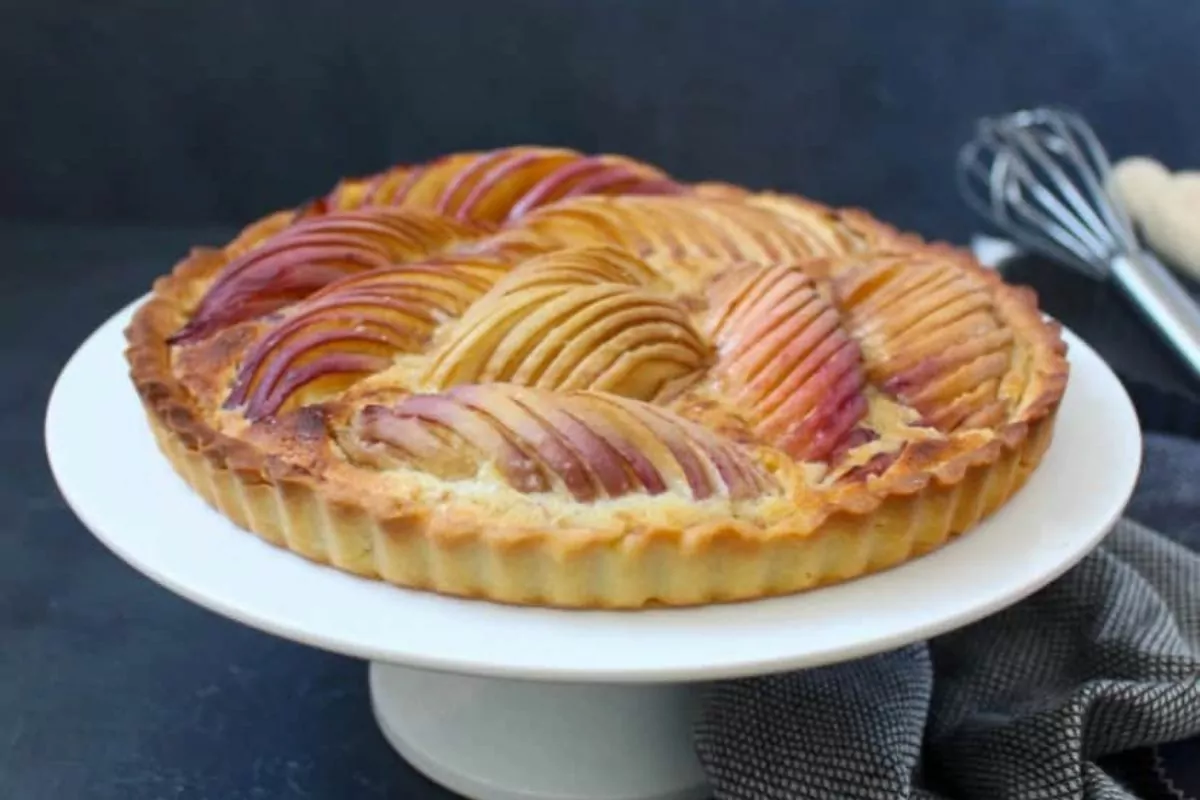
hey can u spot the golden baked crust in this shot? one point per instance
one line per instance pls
(539, 377)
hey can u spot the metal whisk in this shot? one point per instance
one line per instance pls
(1041, 176)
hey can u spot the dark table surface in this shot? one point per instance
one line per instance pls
(112, 687)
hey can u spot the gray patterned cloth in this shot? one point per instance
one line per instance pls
(1033, 703)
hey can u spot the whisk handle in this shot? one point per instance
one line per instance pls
(1163, 300)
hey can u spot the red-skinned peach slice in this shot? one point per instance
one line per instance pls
(518, 465)
(838, 406)
(491, 198)
(588, 443)
(526, 427)
(411, 439)
(645, 186)
(589, 175)
(497, 185)
(459, 185)
(637, 452)
(315, 339)
(424, 190)
(876, 465)
(783, 354)
(709, 463)
(313, 253)
(340, 366)
(683, 452)
(554, 186)
(611, 463)
(494, 186)
(375, 316)
(271, 283)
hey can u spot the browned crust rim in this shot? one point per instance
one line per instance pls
(931, 495)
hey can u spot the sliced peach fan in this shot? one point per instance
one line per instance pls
(540, 376)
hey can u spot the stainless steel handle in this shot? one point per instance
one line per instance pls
(1163, 300)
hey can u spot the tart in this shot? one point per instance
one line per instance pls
(541, 377)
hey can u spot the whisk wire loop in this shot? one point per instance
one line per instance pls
(1040, 176)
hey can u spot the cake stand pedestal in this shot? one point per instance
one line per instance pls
(503, 739)
(504, 703)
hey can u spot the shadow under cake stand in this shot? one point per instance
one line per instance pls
(503, 703)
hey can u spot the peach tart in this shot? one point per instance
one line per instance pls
(536, 376)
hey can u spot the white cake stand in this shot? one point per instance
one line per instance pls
(501, 703)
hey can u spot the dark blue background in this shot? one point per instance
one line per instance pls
(220, 110)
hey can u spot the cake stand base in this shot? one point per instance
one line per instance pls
(500, 739)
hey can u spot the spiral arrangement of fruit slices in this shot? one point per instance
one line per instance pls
(571, 313)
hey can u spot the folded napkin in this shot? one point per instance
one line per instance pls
(1072, 693)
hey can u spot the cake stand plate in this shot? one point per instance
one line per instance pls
(504, 703)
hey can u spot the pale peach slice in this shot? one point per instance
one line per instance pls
(682, 226)
(744, 235)
(634, 344)
(352, 193)
(528, 298)
(575, 320)
(826, 229)
(379, 189)
(930, 335)
(446, 286)
(391, 186)
(469, 352)
(578, 266)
